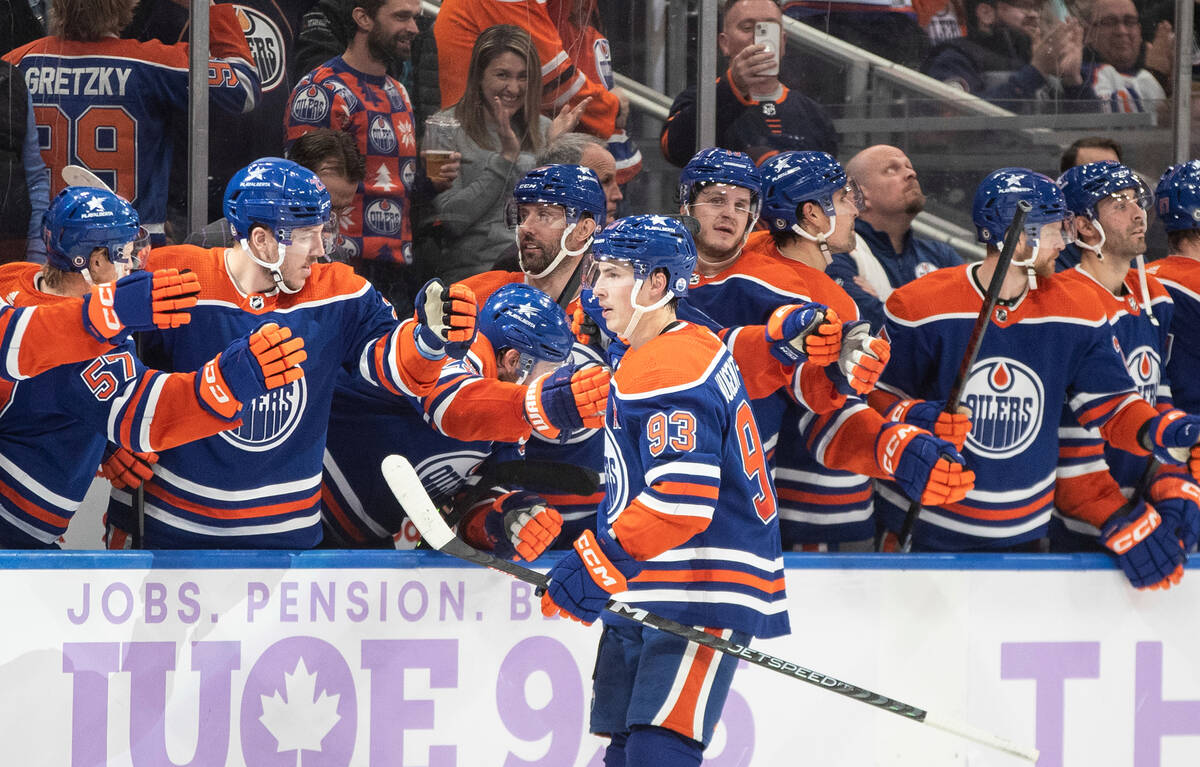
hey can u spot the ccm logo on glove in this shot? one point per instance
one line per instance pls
(598, 565)
(898, 437)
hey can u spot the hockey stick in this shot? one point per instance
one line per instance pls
(406, 486)
(77, 175)
(974, 343)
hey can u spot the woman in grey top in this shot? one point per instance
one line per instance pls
(498, 143)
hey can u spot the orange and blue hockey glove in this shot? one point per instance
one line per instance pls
(861, 360)
(1173, 437)
(141, 301)
(586, 578)
(805, 332)
(567, 399)
(248, 368)
(931, 415)
(522, 525)
(927, 469)
(1177, 500)
(1150, 554)
(125, 469)
(446, 320)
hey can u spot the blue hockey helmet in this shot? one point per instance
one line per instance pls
(649, 243)
(1177, 197)
(81, 219)
(521, 317)
(277, 193)
(996, 200)
(1083, 186)
(791, 179)
(721, 166)
(574, 187)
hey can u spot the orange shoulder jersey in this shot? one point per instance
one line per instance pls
(34, 339)
(54, 426)
(688, 489)
(1094, 479)
(1049, 350)
(1180, 275)
(375, 110)
(260, 485)
(106, 104)
(459, 23)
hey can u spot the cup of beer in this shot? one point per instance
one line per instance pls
(440, 132)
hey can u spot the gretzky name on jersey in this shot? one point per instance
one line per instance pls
(77, 81)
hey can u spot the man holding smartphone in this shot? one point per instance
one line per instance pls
(756, 113)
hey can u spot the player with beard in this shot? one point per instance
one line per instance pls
(1177, 199)
(353, 93)
(886, 254)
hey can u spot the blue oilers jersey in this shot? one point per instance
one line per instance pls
(259, 486)
(106, 104)
(682, 446)
(1049, 351)
(1180, 275)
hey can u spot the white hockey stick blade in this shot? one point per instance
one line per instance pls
(409, 491)
(77, 175)
(407, 487)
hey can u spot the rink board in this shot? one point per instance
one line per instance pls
(411, 659)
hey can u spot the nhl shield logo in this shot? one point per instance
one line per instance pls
(266, 43)
(1007, 400)
(257, 302)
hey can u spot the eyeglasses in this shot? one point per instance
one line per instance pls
(1111, 22)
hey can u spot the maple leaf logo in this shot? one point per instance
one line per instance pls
(301, 720)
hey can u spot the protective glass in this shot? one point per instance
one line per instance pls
(1138, 195)
(530, 367)
(132, 254)
(607, 273)
(714, 198)
(329, 234)
(1054, 234)
(534, 214)
(853, 193)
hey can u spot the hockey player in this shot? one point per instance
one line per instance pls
(1047, 348)
(260, 486)
(54, 426)
(825, 456)
(104, 102)
(688, 491)
(1177, 201)
(503, 390)
(1110, 205)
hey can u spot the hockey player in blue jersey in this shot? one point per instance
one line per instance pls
(1047, 349)
(1177, 203)
(1111, 205)
(510, 384)
(54, 426)
(688, 494)
(260, 485)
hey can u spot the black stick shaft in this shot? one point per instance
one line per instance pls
(1011, 237)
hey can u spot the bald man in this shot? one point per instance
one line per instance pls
(887, 255)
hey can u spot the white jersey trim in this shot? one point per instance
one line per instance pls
(187, 525)
(339, 481)
(249, 494)
(771, 566)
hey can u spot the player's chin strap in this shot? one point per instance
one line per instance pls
(1027, 263)
(1146, 307)
(273, 268)
(639, 310)
(563, 252)
(820, 239)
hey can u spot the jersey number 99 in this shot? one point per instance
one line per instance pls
(103, 139)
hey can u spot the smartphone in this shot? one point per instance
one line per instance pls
(767, 33)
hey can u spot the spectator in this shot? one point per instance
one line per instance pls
(353, 93)
(1123, 76)
(998, 60)
(755, 113)
(127, 144)
(1089, 149)
(887, 254)
(942, 20)
(24, 195)
(564, 82)
(500, 130)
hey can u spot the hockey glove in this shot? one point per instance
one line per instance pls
(141, 301)
(927, 469)
(446, 317)
(584, 328)
(800, 332)
(1172, 437)
(583, 581)
(1177, 501)
(248, 368)
(522, 525)
(125, 469)
(1149, 553)
(861, 360)
(566, 399)
(931, 415)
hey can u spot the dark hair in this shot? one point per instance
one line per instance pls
(322, 144)
(471, 110)
(370, 6)
(1177, 238)
(1088, 142)
(89, 20)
